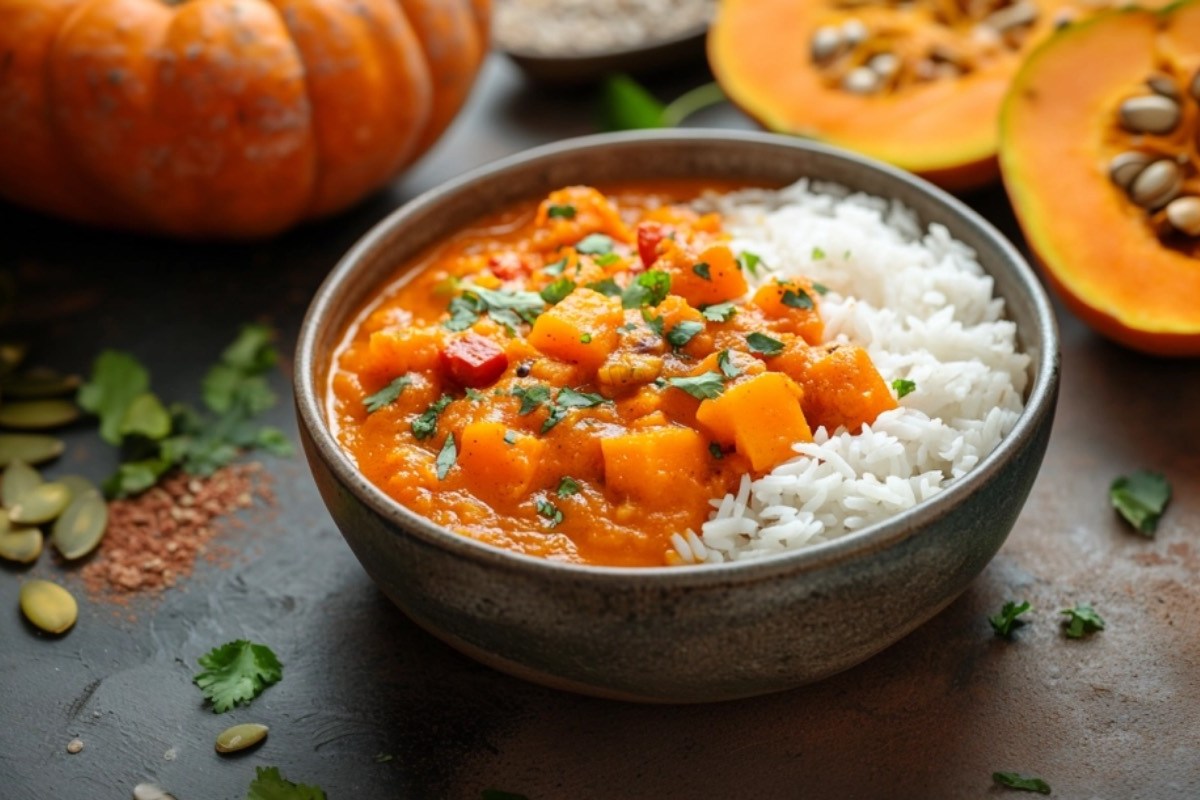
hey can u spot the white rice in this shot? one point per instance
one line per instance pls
(923, 308)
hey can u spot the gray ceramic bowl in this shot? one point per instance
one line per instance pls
(680, 634)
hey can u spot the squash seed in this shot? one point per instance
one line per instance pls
(41, 382)
(885, 65)
(240, 737)
(48, 606)
(1009, 17)
(1184, 215)
(1125, 167)
(38, 414)
(22, 545)
(826, 43)
(19, 478)
(77, 485)
(148, 791)
(1157, 185)
(854, 32)
(1165, 85)
(861, 80)
(32, 448)
(40, 504)
(1150, 113)
(81, 526)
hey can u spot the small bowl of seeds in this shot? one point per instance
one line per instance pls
(575, 41)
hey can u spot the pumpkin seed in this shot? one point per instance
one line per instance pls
(854, 32)
(38, 414)
(1164, 85)
(19, 478)
(32, 448)
(81, 526)
(22, 545)
(11, 354)
(48, 606)
(1127, 166)
(861, 80)
(148, 791)
(1010, 17)
(884, 65)
(1150, 113)
(41, 382)
(77, 485)
(1184, 215)
(1157, 185)
(240, 737)
(826, 43)
(40, 504)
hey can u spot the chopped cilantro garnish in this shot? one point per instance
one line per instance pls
(821, 288)
(556, 268)
(903, 386)
(387, 394)
(702, 387)
(683, 333)
(716, 451)
(464, 311)
(649, 289)
(550, 511)
(607, 259)
(509, 308)
(797, 299)
(532, 397)
(654, 323)
(761, 343)
(749, 262)
(425, 425)
(474, 395)
(585, 338)
(1140, 499)
(594, 244)
(719, 312)
(570, 398)
(728, 368)
(567, 486)
(1004, 622)
(555, 292)
(236, 673)
(703, 270)
(817, 254)
(446, 457)
(1081, 620)
(607, 287)
(1012, 780)
(510, 437)
(563, 211)
(269, 784)
(628, 327)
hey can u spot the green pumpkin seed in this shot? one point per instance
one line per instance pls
(40, 504)
(240, 737)
(81, 526)
(41, 382)
(77, 485)
(22, 545)
(48, 606)
(11, 354)
(32, 448)
(19, 478)
(36, 415)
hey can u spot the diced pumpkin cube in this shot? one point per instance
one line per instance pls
(651, 464)
(761, 416)
(793, 302)
(581, 329)
(395, 351)
(711, 277)
(841, 386)
(568, 215)
(497, 462)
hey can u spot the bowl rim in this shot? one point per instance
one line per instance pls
(1040, 399)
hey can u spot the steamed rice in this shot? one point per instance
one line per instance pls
(922, 306)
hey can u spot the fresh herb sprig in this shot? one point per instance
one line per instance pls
(1008, 618)
(237, 672)
(1140, 498)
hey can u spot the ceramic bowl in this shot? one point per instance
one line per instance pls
(578, 68)
(676, 634)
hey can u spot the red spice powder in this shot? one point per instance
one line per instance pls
(154, 539)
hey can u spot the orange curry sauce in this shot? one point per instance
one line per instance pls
(578, 378)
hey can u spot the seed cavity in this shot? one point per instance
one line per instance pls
(1152, 113)
(48, 606)
(240, 737)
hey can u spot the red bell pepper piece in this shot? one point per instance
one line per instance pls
(474, 360)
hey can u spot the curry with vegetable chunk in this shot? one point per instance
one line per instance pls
(577, 378)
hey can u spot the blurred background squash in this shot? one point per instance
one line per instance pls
(224, 118)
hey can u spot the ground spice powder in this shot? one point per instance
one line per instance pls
(153, 540)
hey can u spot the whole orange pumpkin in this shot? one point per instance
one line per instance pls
(224, 118)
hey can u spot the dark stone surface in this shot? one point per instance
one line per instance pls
(372, 707)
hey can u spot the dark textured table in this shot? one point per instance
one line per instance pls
(372, 707)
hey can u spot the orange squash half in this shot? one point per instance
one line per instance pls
(934, 119)
(1119, 266)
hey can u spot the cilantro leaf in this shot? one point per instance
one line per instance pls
(1081, 620)
(649, 289)
(817, 254)
(570, 398)
(117, 378)
(594, 244)
(749, 262)
(446, 457)
(237, 383)
(557, 291)
(702, 387)
(719, 312)
(703, 270)
(653, 323)
(1004, 622)
(607, 259)
(532, 397)
(425, 425)
(268, 784)
(464, 312)
(145, 416)
(388, 394)
(561, 211)
(728, 368)
(903, 386)
(821, 288)
(607, 287)
(567, 486)
(236, 673)
(509, 308)
(683, 333)
(1012, 780)
(1140, 499)
(761, 343)
(716, 451)
(796, 298)
(556, 268)
(550, 511)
